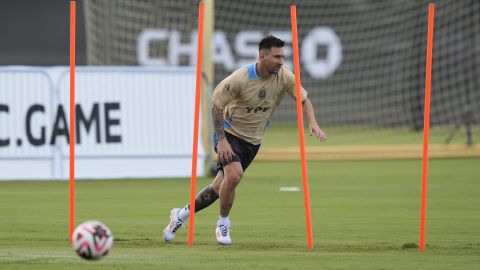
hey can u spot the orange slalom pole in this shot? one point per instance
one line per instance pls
(426, 124)
(301, 135)
(193, 182)
(72, 117)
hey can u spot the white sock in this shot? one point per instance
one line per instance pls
(184, 213)
(223, 221)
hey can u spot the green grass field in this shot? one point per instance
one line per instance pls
(362, 214)
(283, 135)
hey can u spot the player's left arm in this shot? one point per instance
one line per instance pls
(313, 127)
(307, 106)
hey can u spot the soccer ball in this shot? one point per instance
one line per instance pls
(92, 240)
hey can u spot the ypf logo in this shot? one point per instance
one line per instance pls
(257, 109)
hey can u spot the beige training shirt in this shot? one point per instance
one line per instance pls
(249, 100)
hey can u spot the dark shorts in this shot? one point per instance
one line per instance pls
(244, 152)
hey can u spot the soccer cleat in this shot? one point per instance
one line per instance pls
(172, 227)
(223, 235)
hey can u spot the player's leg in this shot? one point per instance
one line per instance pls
(233, 175)
(203, 199)
(217, 182)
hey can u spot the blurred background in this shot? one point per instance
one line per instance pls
(362, 62)
(36, 33)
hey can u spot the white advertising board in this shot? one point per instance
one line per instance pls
(130, 122)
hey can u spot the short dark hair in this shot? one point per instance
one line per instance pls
(269, 42)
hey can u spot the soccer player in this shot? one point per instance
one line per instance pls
(243, 104)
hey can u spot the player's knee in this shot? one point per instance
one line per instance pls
(235, 174)
(234, 177)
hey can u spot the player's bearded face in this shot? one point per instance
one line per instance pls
(274, 59)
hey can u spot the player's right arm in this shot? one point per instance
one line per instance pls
(224, 150)
(223, 94)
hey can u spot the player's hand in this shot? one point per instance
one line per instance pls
(314, 128)
(224, 150)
